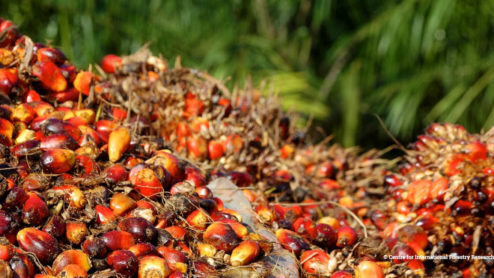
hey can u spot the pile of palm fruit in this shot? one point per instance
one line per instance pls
(135, 169)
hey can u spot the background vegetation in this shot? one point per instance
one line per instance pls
(410, 62)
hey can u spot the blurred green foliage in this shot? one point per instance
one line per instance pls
(342, 63)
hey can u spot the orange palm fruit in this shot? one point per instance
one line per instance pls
(118, 143)
(50, 76)
(246, 252)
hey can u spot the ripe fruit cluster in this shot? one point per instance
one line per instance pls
(110, 174)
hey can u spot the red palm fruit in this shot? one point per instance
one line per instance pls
(5, 221)
(22, 266)
(73, 195)
(204, 192)
(115, 173)
(403, 207)
(42, 108)
(110, 63)
(87, 165)
(221, 236)
(241, 179)
(76, 232)
(325, 170)
(6, 132)
(199, 124)
(35, 182)
(291, 241)
(169, 161)
(58, 127)
(42, 244)
(121, 203)
(6, 252)
(25, 148)
(95, 247)
(233, 143)
(58, 161)
(462, 207)
(15, 198)
(476, 151)
(50, 54)
(71, 257)
(439, 187)
(176, 232)
(141, 229)
(143, 249)
(452, 165)
(8, 80)
(50, 76)
(153, 266)
(246, 252)
(67, 95)
(219, 203)
(82, 82)
(195, 176)
(413, 233)
(250, 195)
(147, 183)
(175, 259)
(119, 114)
(215, 150)
(35, 211)
(104, 128)
(23, 113)
(123, 262)
(315, 262)
(73, 271)
(265, 213)
(330, 184)
(118, 143)
(368, 269)
(198, 219)
(239, 229)
(346, 236)
(419, 192)
(303, 226)
(193, 106)
(69, 71)
(287, 151)
(379, 219)
(10, 34)
(323, 235)
(57, 141)
(417, 267)
(182, 130)
(197, 147)
(402, 253)
(202, 269)
(104, 215)
(116, 240)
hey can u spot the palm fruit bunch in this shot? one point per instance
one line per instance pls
(440, 202)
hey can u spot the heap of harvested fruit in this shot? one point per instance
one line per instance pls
(92, 187)
(146, 171)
